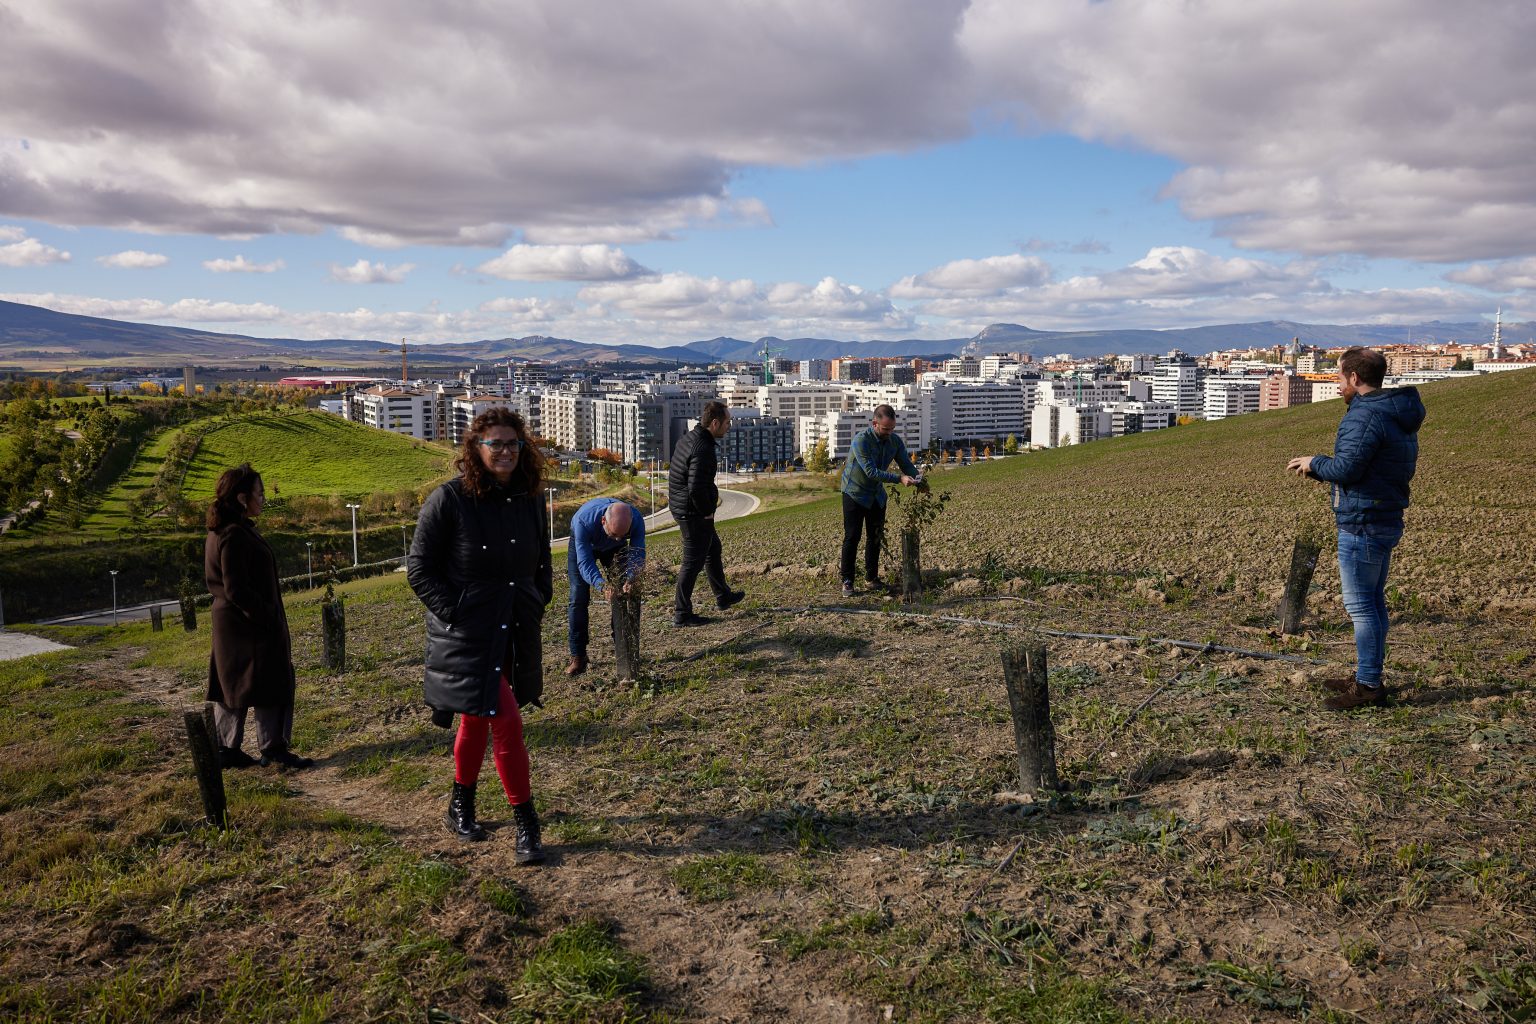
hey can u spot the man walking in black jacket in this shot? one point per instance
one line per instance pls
(692, 497)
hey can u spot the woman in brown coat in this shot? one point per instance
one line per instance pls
(251, 665)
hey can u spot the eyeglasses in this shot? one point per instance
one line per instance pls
(502, 446)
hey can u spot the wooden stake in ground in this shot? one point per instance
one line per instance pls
(911, 567)
(1029, 698)
(1303, 564)
(626, 633)
(156, 619)
(205, 760)
(333, 631)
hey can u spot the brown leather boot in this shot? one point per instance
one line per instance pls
(1354, 697)
(577, 666)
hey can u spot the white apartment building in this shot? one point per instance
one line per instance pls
(567, 419)
(964, 411)
(963, 366)
(1323, 390)
(632, 425)
(815, 369)
(1176, 380)
(864, 395)
(838, 429)
(1138, 417)
(1082, 391)
(1136, 364)
(528, 376)
(997, 365)
(463, 410)
(1227, 396)
(1059, 424)
(396, 409)
(795, 401)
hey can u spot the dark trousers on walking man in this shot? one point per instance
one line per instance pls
(701, 551)
(576, 609)
(867, 520)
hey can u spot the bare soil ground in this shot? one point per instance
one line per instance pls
(805, 815)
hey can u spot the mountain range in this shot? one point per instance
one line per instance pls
(36, 338)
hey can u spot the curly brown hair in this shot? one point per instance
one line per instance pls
(530, 462)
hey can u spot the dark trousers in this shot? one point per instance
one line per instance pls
(274, 727)
(701, 550)
(581, 598)
(869, 521)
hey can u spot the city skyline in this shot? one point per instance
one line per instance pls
(859, 171)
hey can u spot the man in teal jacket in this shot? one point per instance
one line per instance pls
(1373, 461)
(865, 475)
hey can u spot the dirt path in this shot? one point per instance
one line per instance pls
(708, 962)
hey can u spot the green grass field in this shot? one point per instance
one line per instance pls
(315, 453)
(111, 514)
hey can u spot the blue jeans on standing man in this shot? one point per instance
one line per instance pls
(1363, 563)
(581, 597)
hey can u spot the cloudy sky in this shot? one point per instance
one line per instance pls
(677, 170)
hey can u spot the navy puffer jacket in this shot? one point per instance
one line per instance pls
(1373, 459)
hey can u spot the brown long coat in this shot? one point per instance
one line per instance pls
(252, 661)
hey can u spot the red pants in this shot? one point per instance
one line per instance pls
(506, 730)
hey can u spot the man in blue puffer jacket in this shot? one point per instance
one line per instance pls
(1372, 465)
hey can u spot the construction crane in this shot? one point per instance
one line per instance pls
(768, 354)
(404, 372)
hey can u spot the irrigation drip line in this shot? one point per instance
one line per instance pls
(1189, 645)
(1093, 758)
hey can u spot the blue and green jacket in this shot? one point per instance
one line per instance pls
(865, 474)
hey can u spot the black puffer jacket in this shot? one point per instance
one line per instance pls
(482, 568)
(691, 490)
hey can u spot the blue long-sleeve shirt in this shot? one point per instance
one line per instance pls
(865, 474)
(588, 539)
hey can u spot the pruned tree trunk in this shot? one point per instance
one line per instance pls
(205, 761)
(626, 634)
(1029, 699)
(333, 634)
(189, 614)
(1303, 564)
(156, 619)
(911, 567)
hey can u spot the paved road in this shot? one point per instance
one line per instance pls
(733, 505)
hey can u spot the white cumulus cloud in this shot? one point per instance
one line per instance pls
(990, 274)
(28, 252)
(368, 272)
(241, 265)
(134, 259)
(562, 263)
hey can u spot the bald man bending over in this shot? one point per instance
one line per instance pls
(606, 533)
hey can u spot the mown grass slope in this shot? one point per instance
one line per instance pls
(315, 453)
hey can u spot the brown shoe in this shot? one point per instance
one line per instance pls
(1354, 697)
(577, 666)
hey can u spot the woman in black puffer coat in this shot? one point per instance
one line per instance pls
(480, 563)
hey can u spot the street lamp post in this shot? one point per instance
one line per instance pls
(114, 595)
(405, 547)
(309, 547)
(551, 492)
(354, 509)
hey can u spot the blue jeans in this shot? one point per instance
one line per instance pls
(1363, 563)
(581, 597)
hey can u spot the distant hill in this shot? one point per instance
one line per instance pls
(35, 338)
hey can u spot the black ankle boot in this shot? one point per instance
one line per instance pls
(461, 814)
(525, 821)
